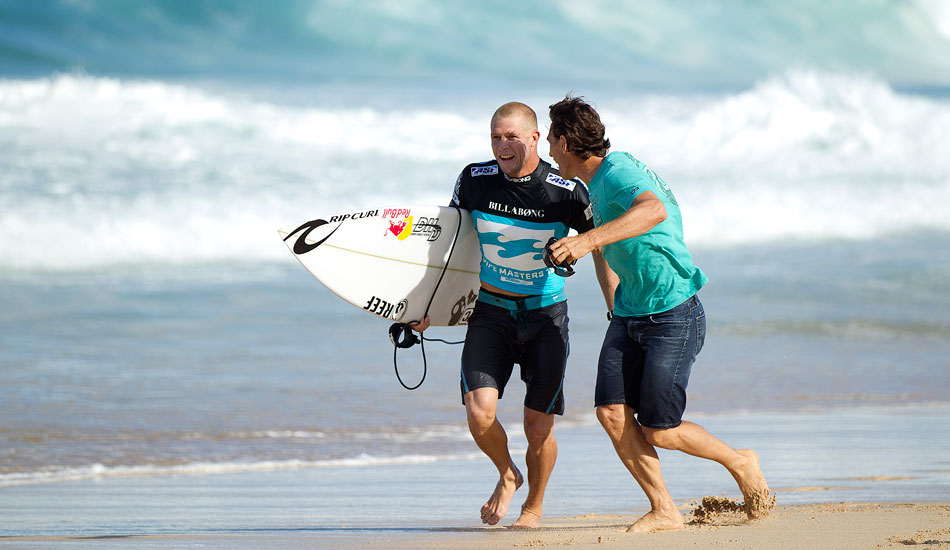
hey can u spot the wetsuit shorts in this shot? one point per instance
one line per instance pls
(532, 332)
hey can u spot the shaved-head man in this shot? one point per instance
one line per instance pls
(517, 202)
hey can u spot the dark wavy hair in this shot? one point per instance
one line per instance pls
(580, 125)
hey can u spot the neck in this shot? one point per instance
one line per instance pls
(528, 167)
(587, 168)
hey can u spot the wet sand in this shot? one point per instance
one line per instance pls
(845, 525)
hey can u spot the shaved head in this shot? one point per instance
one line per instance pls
(515, 109)
(514, 139)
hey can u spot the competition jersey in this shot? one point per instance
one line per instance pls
(515, 217)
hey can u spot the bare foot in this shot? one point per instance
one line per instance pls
(497, 505)
(528, 520)
(658, 520)
(758, 500)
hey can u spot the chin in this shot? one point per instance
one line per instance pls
(509, 168)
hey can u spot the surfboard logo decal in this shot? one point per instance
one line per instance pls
(424, 227)
(383, 308)
(462, 309)
(401, 229)
(301, 246)
(354, 216)
(427, 227)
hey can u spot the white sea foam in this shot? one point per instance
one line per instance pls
(100, 471)
(102, 172)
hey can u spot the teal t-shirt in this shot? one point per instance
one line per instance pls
(656, 270)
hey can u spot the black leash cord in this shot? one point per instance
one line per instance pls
(443, 341)
(425, 368)
(422, 340)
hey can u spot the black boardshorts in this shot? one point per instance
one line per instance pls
(530, 331)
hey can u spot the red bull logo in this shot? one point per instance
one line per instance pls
(396, 213)
(402, 228)
(400, 221)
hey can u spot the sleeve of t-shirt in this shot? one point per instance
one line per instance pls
(623, 186)
(458, 196)
(582, 217)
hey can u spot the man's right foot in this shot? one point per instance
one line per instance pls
(497, 505)
(656, 520)
(758, 500)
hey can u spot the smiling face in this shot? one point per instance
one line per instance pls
(514, 141)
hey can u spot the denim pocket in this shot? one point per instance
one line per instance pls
(700, 331)
(679, 315)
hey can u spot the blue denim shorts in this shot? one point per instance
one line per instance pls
(645, 362)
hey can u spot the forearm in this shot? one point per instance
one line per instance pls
(606, 277)
(641, 217)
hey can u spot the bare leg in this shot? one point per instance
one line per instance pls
(480, 406)
(743, 464)
(641, 460)
(541, 456)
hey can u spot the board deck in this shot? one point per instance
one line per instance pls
(395, 262)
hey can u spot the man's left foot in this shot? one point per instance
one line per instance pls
(758, 499)
(528, 520)
(657, 520)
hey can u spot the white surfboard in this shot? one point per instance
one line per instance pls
(399, 263)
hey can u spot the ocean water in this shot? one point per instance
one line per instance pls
(156, 337)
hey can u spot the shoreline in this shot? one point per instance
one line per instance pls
(841, 525)
(890, 456)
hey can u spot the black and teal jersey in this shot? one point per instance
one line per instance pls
(515, 217)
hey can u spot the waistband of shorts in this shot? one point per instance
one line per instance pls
(512, 303)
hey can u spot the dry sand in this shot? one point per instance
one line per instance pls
(823, 526)
(845, 525)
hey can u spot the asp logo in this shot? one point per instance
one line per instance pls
(485, 170)
(560, 182)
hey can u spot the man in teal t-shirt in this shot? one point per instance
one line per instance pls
(661, 275)
(657, 323)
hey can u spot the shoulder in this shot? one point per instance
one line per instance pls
(552, 179)
(619, 160)
(620, 167)
(465, 182)
(477, 169)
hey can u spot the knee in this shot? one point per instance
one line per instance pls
(664, 439)
(538, 428)
(611, 417)
(480, 415)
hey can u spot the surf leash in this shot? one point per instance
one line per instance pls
(402, 336)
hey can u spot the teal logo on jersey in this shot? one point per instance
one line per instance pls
(513, 248)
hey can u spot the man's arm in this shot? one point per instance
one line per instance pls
(606, 277)
(646, 212)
